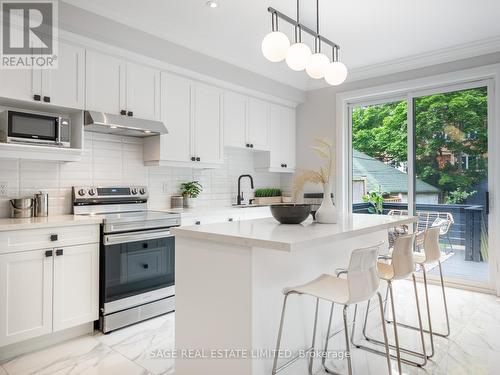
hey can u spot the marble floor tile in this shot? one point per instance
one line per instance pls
(84, 355)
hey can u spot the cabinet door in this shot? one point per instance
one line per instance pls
(258, 124)
(105, 83)
(25, 296)
(289, 140)
(234, 119)
(207, 124)
(143, 91)
(176, 114)
(276, 154)
(65, 85)
(76, 294)
(20, 84)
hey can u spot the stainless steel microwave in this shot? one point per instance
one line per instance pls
(20, 126)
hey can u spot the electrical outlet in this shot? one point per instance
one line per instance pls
(4, 186)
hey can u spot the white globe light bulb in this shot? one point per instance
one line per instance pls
(335, 73)
(297, 56)
(316, 65)
(275, 46)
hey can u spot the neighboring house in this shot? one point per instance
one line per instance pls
(369, 173)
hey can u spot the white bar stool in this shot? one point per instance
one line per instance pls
(401, 266)
(431, 254)
(361, 284)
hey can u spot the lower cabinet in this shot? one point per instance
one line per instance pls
(43, 291)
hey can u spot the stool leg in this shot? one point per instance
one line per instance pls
(384, 329)
(444, 301)
(280, 332)
(419, 322)
(396, 336)
(424, 273)
(348, 348)
(323, 360)
(311, 358)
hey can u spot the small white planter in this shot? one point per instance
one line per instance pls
(189, 202)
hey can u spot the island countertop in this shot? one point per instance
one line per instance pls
(268, 233)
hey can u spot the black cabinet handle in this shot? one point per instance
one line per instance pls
(251, 145)
(123, 112)
(193, 158)
(46, 99)
(130, 113)
(145, 245)
(198, 159)
(59, 252)
(197, 222)
(248, 145)
(54, 237)
(282, 165)
(37, 97)
(145, 266)
(286, 166)
(48, 253)
(230, 219)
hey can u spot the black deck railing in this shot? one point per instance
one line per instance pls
(470, 220)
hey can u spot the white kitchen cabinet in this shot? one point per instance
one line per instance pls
(208, 141)
(235, 120)
(192, 113)
(25, 295)
(64, 86)
(105, 83)
(281, 157)
(258, 124)
(76, 275)
(143, 91)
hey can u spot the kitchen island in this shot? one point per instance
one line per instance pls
(229, 281)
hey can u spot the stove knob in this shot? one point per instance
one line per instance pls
(134, 191)
(142, 191)
(81, 192)
(92, 191)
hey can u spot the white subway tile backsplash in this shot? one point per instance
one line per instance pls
(115, 160)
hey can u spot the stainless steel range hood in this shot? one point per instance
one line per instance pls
(100, 122)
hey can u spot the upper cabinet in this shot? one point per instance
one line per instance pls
(192, 113)
(63, 86)
(246, 122)
(114, 85)
(281, 157)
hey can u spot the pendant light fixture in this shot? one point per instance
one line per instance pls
(276, 47)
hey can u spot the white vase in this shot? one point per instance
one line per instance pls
(327, 213)
(190, 202)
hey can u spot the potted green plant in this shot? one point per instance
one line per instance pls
(267, 196)
(190, 191)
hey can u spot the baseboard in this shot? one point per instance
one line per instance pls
(37, 343)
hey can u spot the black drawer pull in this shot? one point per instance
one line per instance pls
(37, 97)
(230, 219)
(130, 113)
(46, 99)
(54, 237)
(145, 266)
(248, 144)
(251, 145)
(193, 158)
(145, 245)
(197, 222)
(48, 253)
(123, 112)
(198, 159)
(59, 252)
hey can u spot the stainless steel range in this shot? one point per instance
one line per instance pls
(137, 256)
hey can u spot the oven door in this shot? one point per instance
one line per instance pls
(31, 127)
(136, 268)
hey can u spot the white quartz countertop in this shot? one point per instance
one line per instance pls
(268, 233)
(48, 222)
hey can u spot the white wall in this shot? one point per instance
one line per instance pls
(114, 160)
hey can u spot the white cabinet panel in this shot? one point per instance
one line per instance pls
(76, 275)
(143, 91)
(289, 138)
(105, 83)
(25, 296)
(20, 84)
(235, 119)
(282, 133)
(207, 124)
(65, 85)
(258, 124)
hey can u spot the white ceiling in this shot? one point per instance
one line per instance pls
(370, 32)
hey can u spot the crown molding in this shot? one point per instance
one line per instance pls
(445, 55)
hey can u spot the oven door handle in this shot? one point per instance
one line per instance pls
(112, 239)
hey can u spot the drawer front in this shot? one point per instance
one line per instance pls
(32, 239)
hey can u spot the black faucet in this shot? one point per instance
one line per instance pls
(240, 194)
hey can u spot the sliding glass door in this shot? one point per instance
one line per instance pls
(427, 154)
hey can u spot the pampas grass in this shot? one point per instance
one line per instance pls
(323, 148)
